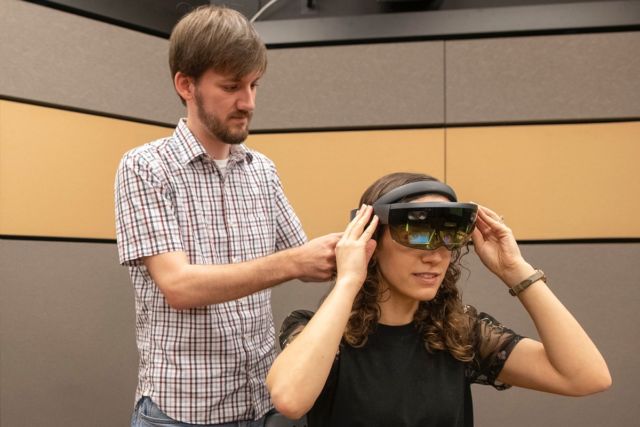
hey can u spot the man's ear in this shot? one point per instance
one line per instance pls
(184, 86)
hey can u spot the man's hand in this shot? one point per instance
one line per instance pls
(316, 259)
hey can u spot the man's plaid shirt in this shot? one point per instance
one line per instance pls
(204, 365)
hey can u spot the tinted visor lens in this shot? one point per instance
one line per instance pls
(431, 225)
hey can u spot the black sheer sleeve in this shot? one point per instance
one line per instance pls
(493, 344)
(293, 325)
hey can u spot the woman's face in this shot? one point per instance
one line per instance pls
(412, 274)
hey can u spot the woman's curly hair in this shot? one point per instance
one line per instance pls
(442, 321)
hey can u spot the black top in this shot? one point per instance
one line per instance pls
(394, 381)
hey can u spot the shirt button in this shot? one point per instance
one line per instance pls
(235, 259)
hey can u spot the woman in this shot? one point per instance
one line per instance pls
(393, 345)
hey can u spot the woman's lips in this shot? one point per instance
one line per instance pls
(427, 277)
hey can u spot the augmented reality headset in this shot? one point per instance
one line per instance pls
(426, 225)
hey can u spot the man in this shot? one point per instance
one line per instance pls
(206, 230)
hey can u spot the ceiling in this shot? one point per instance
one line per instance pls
(354, 21)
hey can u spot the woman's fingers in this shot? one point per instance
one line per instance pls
(371, 228)
(490, 217)
(355, 227)
(489, 222)
(483, 227)
(351, 225)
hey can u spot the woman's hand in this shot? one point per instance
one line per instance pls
(497, 248)
(355, 248)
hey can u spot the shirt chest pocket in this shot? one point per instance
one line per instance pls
(256, 222)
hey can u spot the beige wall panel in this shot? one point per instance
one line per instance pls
(585, 76)
(352, 86)
(324, 174)
(552, 182)
(64, 59)
(57, 170)
(67, 336)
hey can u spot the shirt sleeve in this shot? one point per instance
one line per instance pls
(493, 344)
(289, 232)
(146, 222)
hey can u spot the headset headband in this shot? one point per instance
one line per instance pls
(381, 206)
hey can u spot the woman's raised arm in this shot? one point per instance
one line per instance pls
(566, 361)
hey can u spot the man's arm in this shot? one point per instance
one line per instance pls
(186, 285)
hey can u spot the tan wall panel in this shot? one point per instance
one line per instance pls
(552, 182)
(324, 174)
(57, 170)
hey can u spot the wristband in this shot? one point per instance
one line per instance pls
(537, 275)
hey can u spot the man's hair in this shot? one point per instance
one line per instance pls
(218, 38)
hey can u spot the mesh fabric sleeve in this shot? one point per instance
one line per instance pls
(493, 344)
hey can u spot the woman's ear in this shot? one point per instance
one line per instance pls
(371, 250)
(184, 86)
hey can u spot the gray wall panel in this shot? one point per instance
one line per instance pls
(365, 85)
(599, 284)
(295, 295)
(67, 325)
(60, 58)
(67, 336)
(587, 76)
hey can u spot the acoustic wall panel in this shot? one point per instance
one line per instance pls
(67, 336)
(567, 77)
(599, 284)
(296, 295)
(395, 84)
(57, 170)
(552, 182)
(324, 174)
(64, 59)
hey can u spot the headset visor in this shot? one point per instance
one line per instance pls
(430, 225)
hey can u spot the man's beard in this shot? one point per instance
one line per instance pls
(217, 128)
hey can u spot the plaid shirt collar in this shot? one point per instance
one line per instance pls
(191, 149)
